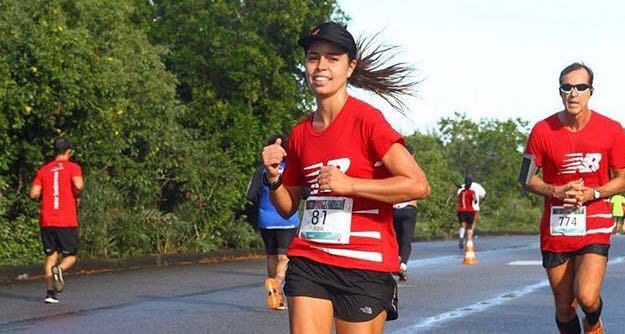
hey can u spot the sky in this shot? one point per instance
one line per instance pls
(496, 59)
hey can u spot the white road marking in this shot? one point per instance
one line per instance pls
(480, 306)
(474, 308)
(455, 258)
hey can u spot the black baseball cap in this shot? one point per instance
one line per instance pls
(331, 32)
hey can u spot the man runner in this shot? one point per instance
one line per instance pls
(576, 149)
(58, 184)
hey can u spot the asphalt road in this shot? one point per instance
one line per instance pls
(506, 292)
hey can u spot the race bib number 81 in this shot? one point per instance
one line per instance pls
(568, 222)
(327, 219)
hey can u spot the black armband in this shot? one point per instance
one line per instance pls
(528, 169)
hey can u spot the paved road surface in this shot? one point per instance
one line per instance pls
(506, 292)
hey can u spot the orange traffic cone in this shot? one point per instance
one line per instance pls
(469, 253)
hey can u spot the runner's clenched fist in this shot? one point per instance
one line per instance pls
(272, 157)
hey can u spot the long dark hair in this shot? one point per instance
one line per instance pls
(389, 81)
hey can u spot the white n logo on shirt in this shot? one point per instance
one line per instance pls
(578, 162)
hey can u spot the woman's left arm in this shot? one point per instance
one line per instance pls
(408, 181)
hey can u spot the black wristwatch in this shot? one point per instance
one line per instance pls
(273, 185)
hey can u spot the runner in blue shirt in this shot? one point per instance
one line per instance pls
(277, 233)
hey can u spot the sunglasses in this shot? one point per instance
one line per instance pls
(568, 88)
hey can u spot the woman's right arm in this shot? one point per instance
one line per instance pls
(285, 199)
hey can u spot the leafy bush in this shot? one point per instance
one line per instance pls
(19, 241)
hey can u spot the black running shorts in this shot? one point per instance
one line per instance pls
(356, 295)
(466, 217)
(551, 259)
(277, 241)
(60, 239)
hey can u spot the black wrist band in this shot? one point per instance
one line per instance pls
(273, 185)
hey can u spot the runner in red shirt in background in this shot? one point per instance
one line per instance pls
(576, 149)
(58, 184)
(356, 165)
(480, 194)
(465, 212)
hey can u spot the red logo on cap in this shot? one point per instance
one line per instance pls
(315, 32)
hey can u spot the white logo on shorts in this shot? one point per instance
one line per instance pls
(366, 309)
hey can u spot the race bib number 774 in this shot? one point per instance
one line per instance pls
(567, 222)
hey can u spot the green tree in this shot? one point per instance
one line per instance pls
(168, 103)
(240, 78)
(83, 70)
(437, 213)
(491, 150)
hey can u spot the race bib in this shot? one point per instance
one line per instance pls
(567, 222)
(327, 219)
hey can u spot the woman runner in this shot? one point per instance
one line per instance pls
(356, 166)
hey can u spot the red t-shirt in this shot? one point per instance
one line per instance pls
(356, 140)
(565, 156)
(58, 203)
(465, 200)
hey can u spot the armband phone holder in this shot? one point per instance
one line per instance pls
(528, 169)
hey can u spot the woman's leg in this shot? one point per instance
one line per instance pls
(373, 326)
(310, 315)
